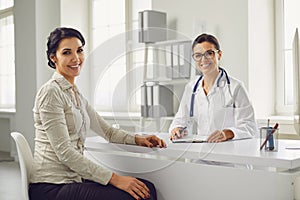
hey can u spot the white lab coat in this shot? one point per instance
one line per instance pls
(222, 108)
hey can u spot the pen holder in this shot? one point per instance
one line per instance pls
(268, 139)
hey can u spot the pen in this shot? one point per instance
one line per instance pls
(180, 131)
(269, 135)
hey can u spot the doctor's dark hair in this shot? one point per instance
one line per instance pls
(56, 36)
(206, 38)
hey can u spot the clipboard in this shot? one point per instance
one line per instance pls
(191, 139)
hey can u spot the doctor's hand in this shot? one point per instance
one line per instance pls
(178, 132)
(149, 141)
(220, 136)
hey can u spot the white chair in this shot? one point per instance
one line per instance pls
(25, 160)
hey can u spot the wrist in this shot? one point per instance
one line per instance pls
(137, 139)
(113, 179)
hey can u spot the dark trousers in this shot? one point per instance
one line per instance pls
(87, 190)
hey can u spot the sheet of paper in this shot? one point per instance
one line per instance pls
(191, 139)
(293, 146)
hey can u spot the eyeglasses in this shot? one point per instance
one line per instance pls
(209, 54)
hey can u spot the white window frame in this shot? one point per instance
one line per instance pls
(4, 13)
(281, 107)
(284, 113)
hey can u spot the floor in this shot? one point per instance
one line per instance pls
(10, 183)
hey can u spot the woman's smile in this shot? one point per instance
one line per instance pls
(75, 67)
(205, 65)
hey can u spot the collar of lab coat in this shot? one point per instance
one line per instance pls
(222, 84)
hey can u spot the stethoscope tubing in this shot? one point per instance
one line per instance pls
(197, 84)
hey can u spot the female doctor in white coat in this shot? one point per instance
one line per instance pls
(216, 102)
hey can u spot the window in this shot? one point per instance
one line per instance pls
(287, 15)
(7, 55)
(115, 20)
(291, 22)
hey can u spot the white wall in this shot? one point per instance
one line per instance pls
(5, 137)
(30, 26)
(47, 18)
(262, 56)
(75, 14)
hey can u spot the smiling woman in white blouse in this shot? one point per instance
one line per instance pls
(62, 118)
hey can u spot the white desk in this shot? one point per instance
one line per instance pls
(272, 177)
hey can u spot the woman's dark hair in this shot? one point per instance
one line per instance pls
(206, 38)
(56, 36)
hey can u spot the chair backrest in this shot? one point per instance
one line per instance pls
(25, 160)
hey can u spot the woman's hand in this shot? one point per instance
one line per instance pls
(220, 136)
(177, 132)
(149, 141)
(137, 189)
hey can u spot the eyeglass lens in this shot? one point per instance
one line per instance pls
(209, 54)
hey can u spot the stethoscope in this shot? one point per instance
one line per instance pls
(196, 86)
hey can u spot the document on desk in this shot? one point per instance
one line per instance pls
(293, 146)
(191, 139)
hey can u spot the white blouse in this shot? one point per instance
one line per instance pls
(62, 117)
